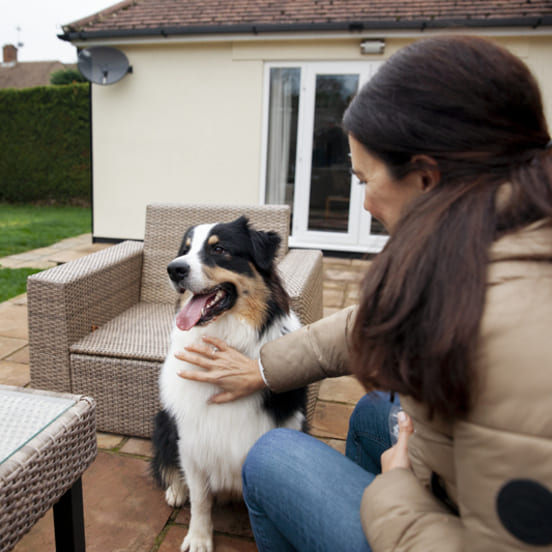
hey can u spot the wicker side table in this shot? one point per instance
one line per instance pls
(47, 440)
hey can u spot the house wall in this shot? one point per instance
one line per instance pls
(186, 125)
(183, 127)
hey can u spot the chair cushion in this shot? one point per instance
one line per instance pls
(141, 332)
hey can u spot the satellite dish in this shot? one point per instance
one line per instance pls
(103, 65)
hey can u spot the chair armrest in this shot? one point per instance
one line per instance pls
(69, 301)
(302, 273)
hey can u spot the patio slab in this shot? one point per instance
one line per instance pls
(13, 320)
(223, 543)
(14, 373)
(58, 253)
(10, 345)
(345, 389)
(230, 518)
(123, 509)
(138, 447)
(331, 420)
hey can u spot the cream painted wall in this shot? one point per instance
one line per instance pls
(183, 127)
(186, 125)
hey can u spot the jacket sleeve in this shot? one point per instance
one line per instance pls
(312, 353)
(399, 514)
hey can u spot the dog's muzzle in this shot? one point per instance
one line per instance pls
(178, 272)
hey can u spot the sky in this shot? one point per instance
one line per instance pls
(40, 22)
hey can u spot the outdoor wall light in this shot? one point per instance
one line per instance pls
(372, 46)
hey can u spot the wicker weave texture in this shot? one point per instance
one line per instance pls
(302, 274)
(36, 476)
(126, 391)
(165, 227)
(67, 302)
(140, 333)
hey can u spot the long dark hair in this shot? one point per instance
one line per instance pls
(476, 110)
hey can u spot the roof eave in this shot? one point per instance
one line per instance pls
(350, 26)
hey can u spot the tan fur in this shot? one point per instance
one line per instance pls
(213, 239)
(252, 293)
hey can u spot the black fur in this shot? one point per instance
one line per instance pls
(242, 246)
(282, 405)
(165, 446)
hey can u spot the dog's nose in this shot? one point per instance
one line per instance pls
(178, 270)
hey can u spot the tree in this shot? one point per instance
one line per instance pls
(66, 76)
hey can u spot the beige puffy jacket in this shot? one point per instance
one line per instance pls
(495, 466)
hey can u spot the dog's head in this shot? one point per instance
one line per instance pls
(227, 267)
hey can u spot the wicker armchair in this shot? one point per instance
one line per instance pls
(100, 325)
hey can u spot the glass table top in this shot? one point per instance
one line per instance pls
(23, 415)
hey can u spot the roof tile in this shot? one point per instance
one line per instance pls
(29, 73)
(156, 14)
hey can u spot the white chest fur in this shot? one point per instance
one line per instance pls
(216, 438)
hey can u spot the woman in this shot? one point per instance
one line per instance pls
(451, 142)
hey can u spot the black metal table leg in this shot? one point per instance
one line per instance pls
(69, 520)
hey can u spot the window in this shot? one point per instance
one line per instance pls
(306, 162)
(282, 135)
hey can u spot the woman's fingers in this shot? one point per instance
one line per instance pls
(224, 397)
(196, 375)
(216, 342)
(397, 455)
(405, 430)
(234, 373)
(198, 356)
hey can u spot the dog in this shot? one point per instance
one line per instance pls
(230, 289)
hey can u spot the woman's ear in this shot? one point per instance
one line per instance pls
(428, 173)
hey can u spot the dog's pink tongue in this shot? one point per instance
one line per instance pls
(189, 316)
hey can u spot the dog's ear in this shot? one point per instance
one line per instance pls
(265, 246)
(186, 241)
(242, 221)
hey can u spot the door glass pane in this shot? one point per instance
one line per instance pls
(282, 135)
(330, 186)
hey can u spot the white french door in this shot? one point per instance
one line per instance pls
(306, 142)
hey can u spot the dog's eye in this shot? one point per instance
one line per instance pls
(218, 250)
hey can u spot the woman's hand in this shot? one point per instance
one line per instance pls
(236, 374)
(397, 455)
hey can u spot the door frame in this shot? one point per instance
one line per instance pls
(358, 237)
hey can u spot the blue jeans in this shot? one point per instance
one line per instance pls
(303, 495)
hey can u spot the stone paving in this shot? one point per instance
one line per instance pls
(124, 510)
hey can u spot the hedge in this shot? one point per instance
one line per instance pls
(45, 144)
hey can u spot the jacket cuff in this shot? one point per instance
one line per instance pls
(261, 370)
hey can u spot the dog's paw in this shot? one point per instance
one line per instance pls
(176, 495)
(197, 543)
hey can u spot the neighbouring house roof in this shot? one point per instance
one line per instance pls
(180, 17)
(29, 73)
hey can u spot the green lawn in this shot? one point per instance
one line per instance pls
(25, 227)
(13, 281)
